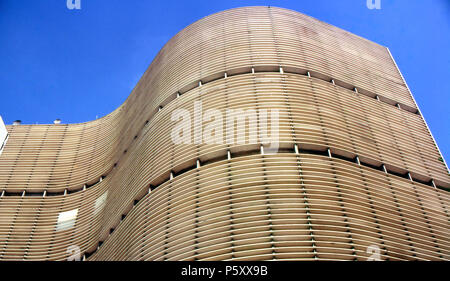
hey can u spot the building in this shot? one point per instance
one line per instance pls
(357, 174)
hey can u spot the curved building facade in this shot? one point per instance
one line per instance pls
(357, 174)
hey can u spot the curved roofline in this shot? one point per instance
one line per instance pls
(179, 32)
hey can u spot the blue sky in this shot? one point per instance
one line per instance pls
(81, 64)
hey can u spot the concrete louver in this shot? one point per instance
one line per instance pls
(357, 170)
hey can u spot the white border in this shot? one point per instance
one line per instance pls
(3, 135)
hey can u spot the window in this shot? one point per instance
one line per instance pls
(66, 220)
(100, 203)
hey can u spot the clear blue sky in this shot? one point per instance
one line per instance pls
(79, 64)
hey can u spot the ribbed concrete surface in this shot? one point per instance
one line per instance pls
(290, 205)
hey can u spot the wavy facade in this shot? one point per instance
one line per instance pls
(357, 170)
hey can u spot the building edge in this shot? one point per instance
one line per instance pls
(418, 108)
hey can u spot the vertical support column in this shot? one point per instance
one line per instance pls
(384, 168)
(409, 176)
